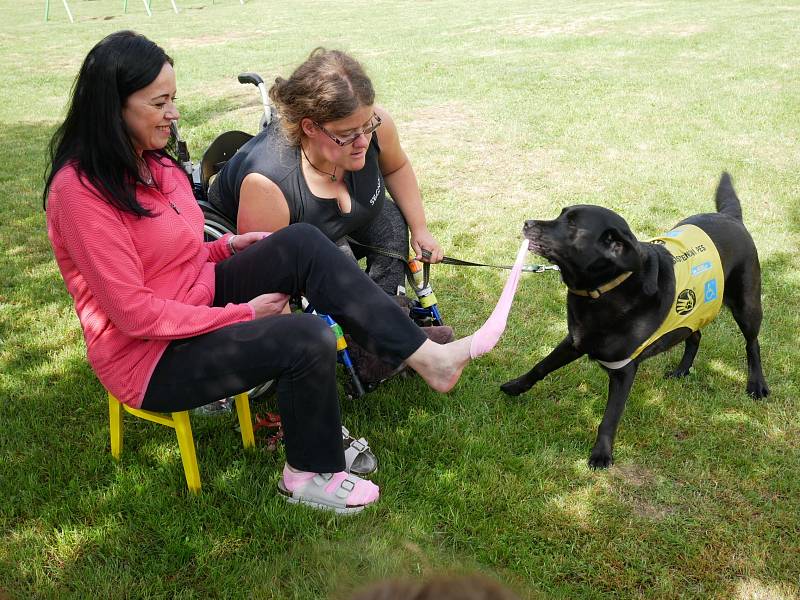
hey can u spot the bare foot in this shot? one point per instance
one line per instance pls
(440, 365)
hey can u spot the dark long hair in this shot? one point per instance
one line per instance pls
(93, 133)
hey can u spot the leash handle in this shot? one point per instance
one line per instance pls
(413, 268)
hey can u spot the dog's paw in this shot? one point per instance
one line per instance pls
(600, 460)
(678, 372)
(515, 387)
(601, 456)
(758, 388)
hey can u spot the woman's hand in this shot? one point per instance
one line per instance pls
(243, 240)
(269, 304)
(422, 239)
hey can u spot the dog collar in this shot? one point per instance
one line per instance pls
(606, 287)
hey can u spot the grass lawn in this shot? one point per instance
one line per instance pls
(509, 110)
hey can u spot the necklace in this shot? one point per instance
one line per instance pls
(316, 168)
(145, 174)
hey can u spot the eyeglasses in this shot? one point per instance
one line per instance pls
(375, 122)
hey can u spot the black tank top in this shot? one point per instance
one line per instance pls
(270, 154)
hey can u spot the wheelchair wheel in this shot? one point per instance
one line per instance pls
(264, 391)
(215, 226)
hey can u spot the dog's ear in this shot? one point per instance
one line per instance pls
(650, 271)
(622, 248)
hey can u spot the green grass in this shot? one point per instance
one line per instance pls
(509, 110)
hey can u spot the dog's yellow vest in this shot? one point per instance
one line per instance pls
(699, 284)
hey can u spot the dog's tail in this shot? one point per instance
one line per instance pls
(727, 200)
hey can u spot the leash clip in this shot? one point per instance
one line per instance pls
(540, 268)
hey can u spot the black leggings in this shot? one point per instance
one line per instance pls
(297, 350)
(389, 231)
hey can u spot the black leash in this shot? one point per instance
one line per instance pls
(447, 260)
(525, 269)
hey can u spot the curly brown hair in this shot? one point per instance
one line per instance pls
(329, 85)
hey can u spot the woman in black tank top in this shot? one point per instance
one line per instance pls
(328, 160)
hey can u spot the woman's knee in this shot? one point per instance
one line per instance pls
(399, 239)
(305, 234)
(312, 340)
(394, 229)
(304, 241)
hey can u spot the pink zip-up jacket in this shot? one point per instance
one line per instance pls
(137, 282)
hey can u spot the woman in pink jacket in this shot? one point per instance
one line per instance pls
(172, 322)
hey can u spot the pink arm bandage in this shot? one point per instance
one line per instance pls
(487, 336)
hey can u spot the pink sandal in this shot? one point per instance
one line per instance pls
(328, 491)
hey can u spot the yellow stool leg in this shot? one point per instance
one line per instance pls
(245, 421)
(115, 425)
(183, 429)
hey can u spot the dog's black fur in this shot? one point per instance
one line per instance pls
(593, 245)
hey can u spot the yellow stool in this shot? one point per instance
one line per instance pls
(179, 421)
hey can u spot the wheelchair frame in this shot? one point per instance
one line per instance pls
(216, 224)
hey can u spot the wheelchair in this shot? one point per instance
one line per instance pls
(216, 224)
(424, 310)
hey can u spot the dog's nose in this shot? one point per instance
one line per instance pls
(529, 224)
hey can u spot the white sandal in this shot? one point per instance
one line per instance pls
(358, 458)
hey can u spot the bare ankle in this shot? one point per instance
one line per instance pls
(441, 365)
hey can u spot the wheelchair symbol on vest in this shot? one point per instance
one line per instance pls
(710, 292)
(685, 302)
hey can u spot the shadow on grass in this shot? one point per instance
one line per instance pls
(700, 476)
(63, 491)
(693, 455)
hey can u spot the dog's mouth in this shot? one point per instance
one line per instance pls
(537, 242)
(536, 247)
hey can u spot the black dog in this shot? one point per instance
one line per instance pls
(621, 290)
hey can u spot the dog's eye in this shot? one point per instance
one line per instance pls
(611, 240)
